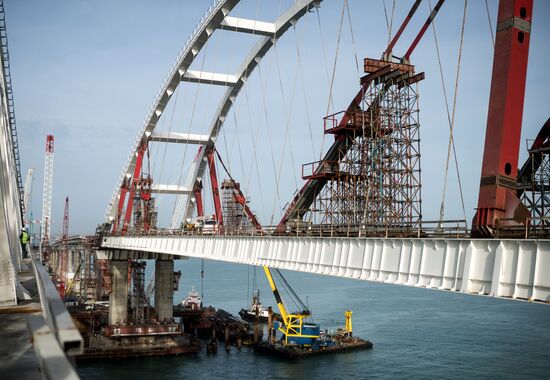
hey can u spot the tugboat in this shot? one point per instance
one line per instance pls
(249, 314)
(193, 301)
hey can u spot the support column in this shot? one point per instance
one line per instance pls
(118, 299)
(164, 289)
(70, 267)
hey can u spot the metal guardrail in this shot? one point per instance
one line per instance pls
(54, 363)
(55, 313)
(54, 335)
(435, 229)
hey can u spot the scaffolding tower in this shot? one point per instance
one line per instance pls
(139, 299)
(144, 210)
(235, 220)
(373, 183)
(535, 189)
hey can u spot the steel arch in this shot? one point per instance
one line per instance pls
(215, 18)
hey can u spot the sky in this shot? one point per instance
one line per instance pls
(88, 71)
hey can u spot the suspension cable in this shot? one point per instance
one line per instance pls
(166, 144)
(190, 126)
(389, 24)
(330, 104)
(254, 163)
(330, 101)
(353, 39)
(451, 118)
(304, 91)
(490, 23)
(277, 190)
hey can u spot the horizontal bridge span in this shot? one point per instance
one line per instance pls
(517, 269)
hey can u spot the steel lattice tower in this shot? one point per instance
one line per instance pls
(372, 182)
(47, 190)
(234, 217)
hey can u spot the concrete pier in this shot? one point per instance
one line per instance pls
(164, 289)
(118, 299)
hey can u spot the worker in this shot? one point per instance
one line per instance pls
(24, 238)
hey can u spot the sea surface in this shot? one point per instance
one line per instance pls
(417, 333)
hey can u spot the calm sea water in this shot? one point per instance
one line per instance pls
(417, 333)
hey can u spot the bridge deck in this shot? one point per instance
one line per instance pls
(18, 359)
(517, 269)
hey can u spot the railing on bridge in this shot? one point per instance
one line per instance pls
(446, 228)
(534, 228)
(54, 334)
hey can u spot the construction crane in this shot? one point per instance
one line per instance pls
(47, 195)
(27, 193)
(296, 331)
(65, 232)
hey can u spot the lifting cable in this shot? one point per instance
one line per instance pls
(254, 162)
(270, 138)
(304, 93)
(353, 39)
(292, 294)
(288, 116)
(189, 130)
(323, 49)
(451, 118)
(157, 146)
(330, 105)
(490, 23)
(389, 24)
(166, 144)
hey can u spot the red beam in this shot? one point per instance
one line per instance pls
(497, 196)
(198, 198)
(401, 29)
(423, 30)
(120, 207)
(215, 187)
(135, 178)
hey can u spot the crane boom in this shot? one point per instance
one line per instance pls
(47, 192)
(27, 193)
(295, 330)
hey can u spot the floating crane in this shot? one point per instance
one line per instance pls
(296, 331)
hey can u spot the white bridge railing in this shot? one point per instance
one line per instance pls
(517, 269)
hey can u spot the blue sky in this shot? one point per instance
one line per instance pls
(87, 72)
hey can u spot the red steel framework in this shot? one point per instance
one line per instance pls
(373, 167)
(371, 173)
(498, 198)
(65, 233)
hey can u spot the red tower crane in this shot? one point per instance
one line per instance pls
(65, 233)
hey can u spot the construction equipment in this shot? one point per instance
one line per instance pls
(27, 193)
(47, 198)
(296, 331)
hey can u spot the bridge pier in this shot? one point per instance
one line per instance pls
(118, 299)
(164, 289)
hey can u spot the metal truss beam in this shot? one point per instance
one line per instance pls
(209, 78)
(179, 138)
(245, 25)
(170, 189)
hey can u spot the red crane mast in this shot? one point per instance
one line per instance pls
(65, 233)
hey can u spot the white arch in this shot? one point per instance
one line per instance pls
(216, 18)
